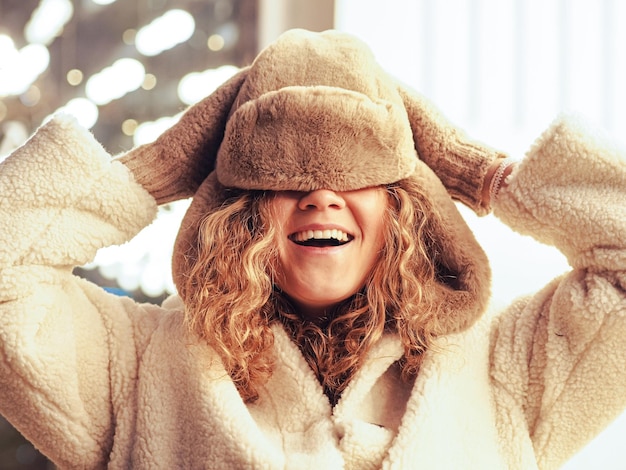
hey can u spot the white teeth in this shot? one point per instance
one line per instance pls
(321, 235)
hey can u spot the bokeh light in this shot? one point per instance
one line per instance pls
(20, 68)
(85, 111)
(165, 32)
(149, 82)
(113, 82)
(129, 126)
(197, 85)
(48, 21)
(215, 42)
(74, 77)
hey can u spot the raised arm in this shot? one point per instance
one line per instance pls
(61, 198)
(559, 356)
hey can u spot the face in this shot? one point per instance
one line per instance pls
(328, 243)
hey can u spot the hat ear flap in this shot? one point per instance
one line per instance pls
(175, 164)
(460, 163)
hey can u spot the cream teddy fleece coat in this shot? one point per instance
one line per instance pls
(98, 381)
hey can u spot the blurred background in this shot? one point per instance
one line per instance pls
(500, 69)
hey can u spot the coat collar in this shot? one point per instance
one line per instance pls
(447, 412)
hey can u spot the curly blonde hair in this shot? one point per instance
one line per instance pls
(232, 300)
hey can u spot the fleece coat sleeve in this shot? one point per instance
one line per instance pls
(560, 356)
(61, 199)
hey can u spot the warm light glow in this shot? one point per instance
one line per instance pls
(19, 69)
(215, 42)
(34, 59)
(165, 32)
(148, 131)
(48, 20)
(74, 77)
(197, 85)
(124, 76)
(129, 126)
(129, 36)
(149, 82)
(85, 112)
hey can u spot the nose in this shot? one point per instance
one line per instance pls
(321, 199)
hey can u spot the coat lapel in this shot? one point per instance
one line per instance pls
(450, 417)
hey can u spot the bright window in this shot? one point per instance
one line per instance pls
(503, 70)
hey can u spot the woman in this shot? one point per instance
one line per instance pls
(333, 305)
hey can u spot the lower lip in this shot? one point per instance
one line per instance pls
(328, 250)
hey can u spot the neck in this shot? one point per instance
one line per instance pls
(319, 315)
(316, 315)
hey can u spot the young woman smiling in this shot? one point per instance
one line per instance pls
(333, 305)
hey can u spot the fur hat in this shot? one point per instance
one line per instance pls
(315, 110)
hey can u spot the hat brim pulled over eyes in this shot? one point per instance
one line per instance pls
(305, 138)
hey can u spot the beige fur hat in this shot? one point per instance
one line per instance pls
(315, 110)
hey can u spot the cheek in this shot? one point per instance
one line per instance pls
(375, 220)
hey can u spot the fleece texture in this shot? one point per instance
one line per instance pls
(98, 381)
(316, 111)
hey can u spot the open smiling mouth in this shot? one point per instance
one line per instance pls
(321, 238)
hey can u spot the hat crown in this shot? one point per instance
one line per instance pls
(330, 58)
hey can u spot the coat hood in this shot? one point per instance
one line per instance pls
(315, 110)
